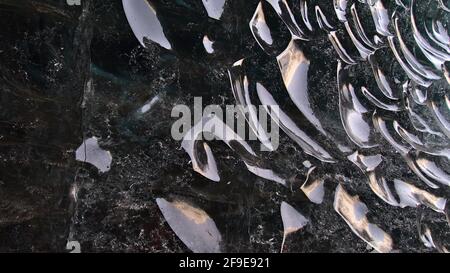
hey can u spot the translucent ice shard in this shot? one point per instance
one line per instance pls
(284, 12)
(411, 196)
(144, 22)
(260, 29)
(436, 55)
(353, 211)
(340, 7)
(424, 166)
(431, 169)
(294, 68)
(292, 220)
(305, 15)
(412, 74)
(421, 118)
(380, 17)
(214, 8)
(149, 105)
(191, 145)
(322, 20)
(417, 140)
(308, 145)
(379, 185)
(197, 149)
(240, 86)
(357, 34)
(340, 49)
(365, 163)
(414, 64)
(427, 238)
(356, 118)
(208, 44)
(439, 35)
(192, 225)
(441, 113)
(384, 78)
(91, 152)
(360, 29)
(444, 5)
(266, 174)
(403, 3)
(73, 246)
(390, 106)
(385, 127)
(363, 49)
(313, 188)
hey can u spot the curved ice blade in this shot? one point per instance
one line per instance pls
(355, 117)
(294, 68)
(260, 30)
(310, 146)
